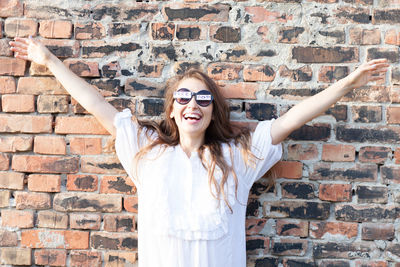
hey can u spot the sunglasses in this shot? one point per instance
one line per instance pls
(203, 98)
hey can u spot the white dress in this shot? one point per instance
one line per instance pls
(180, 223)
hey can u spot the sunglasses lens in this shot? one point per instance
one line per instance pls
(204, 98)
(183, 96)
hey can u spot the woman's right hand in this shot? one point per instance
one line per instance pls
(30, 49)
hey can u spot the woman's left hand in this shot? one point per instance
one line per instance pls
(373, 70)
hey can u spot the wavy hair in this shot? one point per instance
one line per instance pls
(221, 130)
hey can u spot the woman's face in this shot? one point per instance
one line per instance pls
(191, 118)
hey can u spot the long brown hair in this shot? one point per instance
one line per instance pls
(221, 130)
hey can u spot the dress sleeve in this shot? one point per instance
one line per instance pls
(127, 142)
(267, 154)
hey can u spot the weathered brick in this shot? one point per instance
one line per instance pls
(260, 14)
(39, 70)
(25, 124)
(52, 219)
(50, 257)
(55, 29)
(297, 209)
(377, 231)
(260, 111)
(225, 34)
(240, 90)
(328, 230)
(330, 74)
(289, 247)
(191, 32)
(85, 221)
(224, 71)
(120, 258)
(11, 8)
(325, 55)
(302, 152)
(334, 263)
(107, 87)
(302, 74)
(293, 94)
(289, 34)
(119, 223)
(44, 238)
(372, 194)
(85, 146)
(12, 180)
(289, 169)
(296, 263)
(366, 213)
(4, 202)
(117, 184)
(7, 85)
(153, 70)
(292, 228)
(113, 241)
(162, 31)
(264, 261)
(78, 125)
(390, 174)
(254, 226)
(196, 12)
(4, 162)
(8, 238)
(16, 27)
(12, 66)
(359, 36)
(95, 49)
(120, 104)
(348, 14)
(18, 103)
(122, 29)
(81, 258)
(371, 263)
(256, 245)
(182, 67)
(253, 207)
(102, 165)
(297, 190)
(374, 154)
(367, 114)
(330, 36)
(131, 203)
(111, 70)
(17, 218)
(39, 10)
(142, 87)
(315, 132)
(368, 94)
(89, 30)
(392, 37)
(335, 192)
(258, 73)
(386, 16)
(236, 54)
(44, 182)
(125, 12)
(151, 107)
(379, 134)
(87, 202)
(391, 54)
(83, 68)
(342, 250)
(359, 173)
(45, 164)
(29, 200)
(16, 256)
(62, 48)
(40, 86)
(263, 185)
(332, 152)
(52, 103)
(49, 145)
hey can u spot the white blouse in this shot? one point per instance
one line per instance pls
(180, 223)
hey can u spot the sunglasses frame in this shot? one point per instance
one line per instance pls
(184, 92)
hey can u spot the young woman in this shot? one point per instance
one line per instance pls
(194, 170)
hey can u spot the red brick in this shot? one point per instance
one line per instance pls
(289, 247)
(51, 257)
(52, 219)
(257, 245)
(86, 202)
(17, 218)
(224, 71)
(397, 156)
(393, 115)
(302, 74)
(28, 200)
(289, 35)
(40, 86)
(120, 258)
(292, 228)
(11, 8)
(360, 36)
(83, 68)
(50, 145)
(85, 146)
(78, 125)
(117, 184)
(25, 124)
(12, 180)
(196, 12)
(82, 182)
(131, 203)
(52, 103)
(82, 258)
(330, 74)
(4, 202)
(66, 239)
(392, 37)
(302, 152)
(102, 165)
(239, 90)
(372, 94)
(8, 238)
(44, 164)
(62, 48)
(7, 85)
(153, 70)
(44, 182)
(100, 48)
(16, 256)
(335, 192)
(55, 29)
(262, 14)
(329, 230)
(15, 143)
(371, 263)
(39, 70)
(117, 30)
(289, 169)
(332, 152)
(349, 14)
(254, 226)
(162, 31)
(119, 223)
(16, 27)
(113, 241)
(258, 73)
(12, 66)
(367, 114)
(377, 231)
(4, 162)
(18, 103)
(225, 34)
(85, 221)
(191, 32)
(374, 154)
(89, 30)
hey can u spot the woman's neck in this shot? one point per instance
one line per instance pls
(190, 144)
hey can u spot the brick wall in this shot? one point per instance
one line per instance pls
(65, 199)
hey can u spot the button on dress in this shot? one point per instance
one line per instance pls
(180, 222)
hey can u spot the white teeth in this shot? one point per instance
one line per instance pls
(192, 116)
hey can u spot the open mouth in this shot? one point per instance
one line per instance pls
(192, 116)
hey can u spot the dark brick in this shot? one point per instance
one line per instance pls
(377, 231)
(364, 135)
(226, 34)
(334, 263)
(264, 262)
(111, 70)
(253, 207)
(152, 70)
(372, 93)
(254, 226)
(352, 15)
(322, 15)
(325, 55)
(162, 31)
(393, 248)
(89, 31)
(372, 194)
(292, 228)
(182, 67)
(298, 263)
(339, 37)
(358, 173)
(374, 154)
(303, 74)
(100, 50)
(121, 29)
(152, 106)
(257, 244)
(137, 87)
(166, 52)
(342, 250)
(339, 112)
(363, 213)
(107, 87)
(87, 202)
(297, 190)
(396, 76)
(290, 93)
(390, 174)
(391, 54)
(189, 33)
(113, 241)
(331, 74)
(298, 209)
(361, 2)
(261, 186)
(386, 16)
(122, 103)
(367, 114)
(267, 53)
(197, 12)
(236, 55)
(122, 12)
(289, 247)
(260, 111)
(316, 132)
(289, 35)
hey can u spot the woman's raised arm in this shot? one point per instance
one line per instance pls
(79, 89)
(317, 104)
